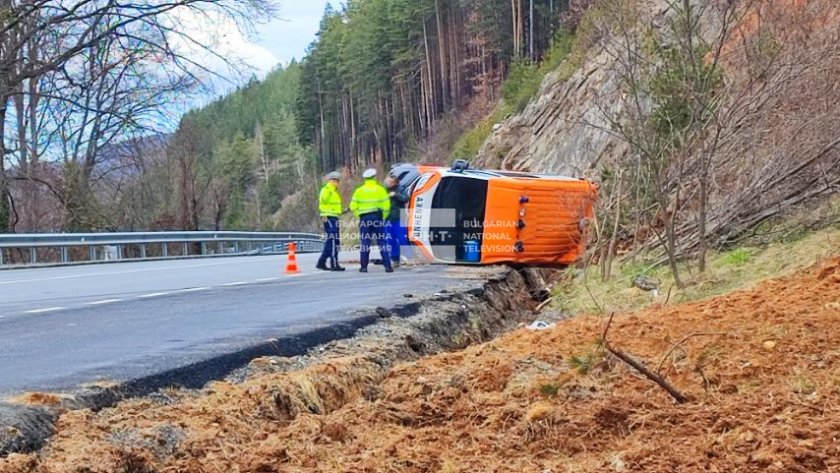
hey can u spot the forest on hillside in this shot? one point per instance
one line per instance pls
(381, 80)
(383, 72)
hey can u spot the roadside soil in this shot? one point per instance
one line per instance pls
(761, 369)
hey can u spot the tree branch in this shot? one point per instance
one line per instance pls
(638, 366)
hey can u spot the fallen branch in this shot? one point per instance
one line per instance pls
(674, 392)
(543, 304)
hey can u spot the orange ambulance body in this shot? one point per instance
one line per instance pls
(476, 216)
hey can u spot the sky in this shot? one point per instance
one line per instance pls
(287, 37)
(212, 37)
(277, 41)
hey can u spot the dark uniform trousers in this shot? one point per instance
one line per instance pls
(332, 243)
(372, 228)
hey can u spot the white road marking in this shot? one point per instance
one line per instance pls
(238, 283)
(194, 289)
(106, 301)
(268, 279)
(154, 294)
(45, 310)
(169, 267)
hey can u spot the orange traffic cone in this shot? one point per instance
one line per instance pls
(291, 266)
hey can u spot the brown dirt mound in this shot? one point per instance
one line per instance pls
(760, 367)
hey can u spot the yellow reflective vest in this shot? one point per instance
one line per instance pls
(370, 197)
(329, 202)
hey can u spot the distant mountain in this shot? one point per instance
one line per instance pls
(127, 158)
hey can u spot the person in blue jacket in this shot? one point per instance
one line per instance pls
(397, 232)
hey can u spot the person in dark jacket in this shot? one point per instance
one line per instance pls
(397, 232)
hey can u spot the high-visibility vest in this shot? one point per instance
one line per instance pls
(329, 202)
(370, 197)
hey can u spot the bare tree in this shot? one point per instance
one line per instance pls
(653, 167)
(670, 90)
(724, 106)
(57, 42)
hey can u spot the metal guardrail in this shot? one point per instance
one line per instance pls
(17, 250)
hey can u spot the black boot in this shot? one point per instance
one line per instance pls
(338, 268)
(322, 266)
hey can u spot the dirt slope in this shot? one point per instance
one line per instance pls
(762, 369)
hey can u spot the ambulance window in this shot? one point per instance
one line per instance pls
(477, 172)
(518, 174)
(467, 198)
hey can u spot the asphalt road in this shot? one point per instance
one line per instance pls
(62, 327)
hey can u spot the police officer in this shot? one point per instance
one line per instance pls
(397, 236)
(329, 206)
(371, 205)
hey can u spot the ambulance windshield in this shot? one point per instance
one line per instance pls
(458, 208)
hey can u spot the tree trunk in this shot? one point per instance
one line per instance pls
(701, 225)
(671, 242)
(442, 58)
(614, 236)
(5, 202)
(430, 92)
(531, 54)
(323, 143)
(515, 20)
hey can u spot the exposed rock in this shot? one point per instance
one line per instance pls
(775, 152)
(561, 131)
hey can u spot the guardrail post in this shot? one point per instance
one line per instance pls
(236, 247)
(203, 248)
(185, 249)
(1, 256)
(65, 257)
(143, 251)
(33, 255)
(92, 251)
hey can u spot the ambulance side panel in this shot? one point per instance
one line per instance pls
(555, 214)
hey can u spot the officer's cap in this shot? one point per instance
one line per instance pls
(369, 174)
(334, 175)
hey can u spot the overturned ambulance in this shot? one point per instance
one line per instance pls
(475, 216)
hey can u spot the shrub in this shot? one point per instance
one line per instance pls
(524, 79)
(737, 257)
(585, 362)
(470, 142)
(522, 83)
(549, 389)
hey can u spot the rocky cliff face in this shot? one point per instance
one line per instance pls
(771, 146)
(563, 130)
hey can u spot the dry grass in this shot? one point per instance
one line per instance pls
(39, 399)
(727, 271)
(762, 380)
